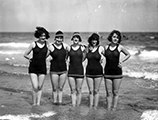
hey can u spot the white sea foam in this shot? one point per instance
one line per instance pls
(11, 52)
(149, 115)
(27, 116)
(145, 75)
(142, 52)
(149, 54)
(13, 44)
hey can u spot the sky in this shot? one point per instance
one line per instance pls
(79, 15)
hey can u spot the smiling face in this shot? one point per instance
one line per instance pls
(94, 42)
(42, 37)
(58, 40)
(75, 40)
(115, 38)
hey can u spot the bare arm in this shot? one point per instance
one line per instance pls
(101, 52)
(126, 53)
(67, 48)
(83, 48)
(28, 51)
(48, 52)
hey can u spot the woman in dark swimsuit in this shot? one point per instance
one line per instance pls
(58, 68)
(76, 71)
(37, 67)
(94, 69)
(113, 68)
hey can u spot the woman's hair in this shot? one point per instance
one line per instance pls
(112, 33)
(39, 31)
(77, 35)
(94, 36)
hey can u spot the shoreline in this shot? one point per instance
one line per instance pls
(15, 99)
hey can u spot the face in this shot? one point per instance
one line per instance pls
(75, 40)
(115, 38)
(59, 40)
(43, 37)
(94, 42)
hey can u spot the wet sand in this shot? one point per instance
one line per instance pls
(16, 99)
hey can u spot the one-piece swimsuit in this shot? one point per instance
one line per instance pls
(38, 61)
(75, 65)
(58, 62)
(94, 67)
(112, 69)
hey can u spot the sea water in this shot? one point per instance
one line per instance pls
(142, 46)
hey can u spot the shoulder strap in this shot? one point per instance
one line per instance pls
(98, 47)
(117, 45)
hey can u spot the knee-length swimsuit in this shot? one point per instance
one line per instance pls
(58, 62)
(75, 66)
(38, 61)
(112, 70)
(94, 68)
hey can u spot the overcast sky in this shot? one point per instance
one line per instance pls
(79, 15)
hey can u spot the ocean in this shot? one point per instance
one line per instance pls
(143, 47)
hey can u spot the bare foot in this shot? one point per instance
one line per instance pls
(113, 109)
(109, 108)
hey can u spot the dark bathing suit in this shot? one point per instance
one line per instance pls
(38, 61)
(112, 70)
(75, 66)
(58, 62)
(94, 68)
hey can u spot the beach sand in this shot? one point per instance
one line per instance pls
(16, 99)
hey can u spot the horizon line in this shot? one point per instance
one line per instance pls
(79, 31)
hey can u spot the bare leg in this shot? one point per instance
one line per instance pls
(97, 82)
(108, 87)
(40, 86)
(90, 87)
(54, 80)
(116, 87)
(62, 80)
(34, 81)
(79, 82)
(72, 85)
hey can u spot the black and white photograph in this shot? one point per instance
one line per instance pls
(78, 59)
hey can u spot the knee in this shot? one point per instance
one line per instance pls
(60, 89)
(109, 93)
(35, 88)
(78, 90)
(91, 92)
(73, 91)
(39, 88)
(115, 92)
(96, 92)
(54, 89)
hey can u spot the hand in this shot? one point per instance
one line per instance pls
(30, 59)
(120, 65)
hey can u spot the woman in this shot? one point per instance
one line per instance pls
(75, 72)
(113, 69)
(58, 68)
(94, 69)
(37, 67)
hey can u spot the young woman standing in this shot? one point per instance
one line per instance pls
(94, 69)
(113, 68)
(58, 68)
(37, 67)
(76, 72)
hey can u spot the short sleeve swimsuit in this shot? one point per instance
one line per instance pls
(58, 62)
(75, 66)
(38, 61)
(112, 70)
(94, 68)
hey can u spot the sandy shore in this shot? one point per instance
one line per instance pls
(15, 99)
